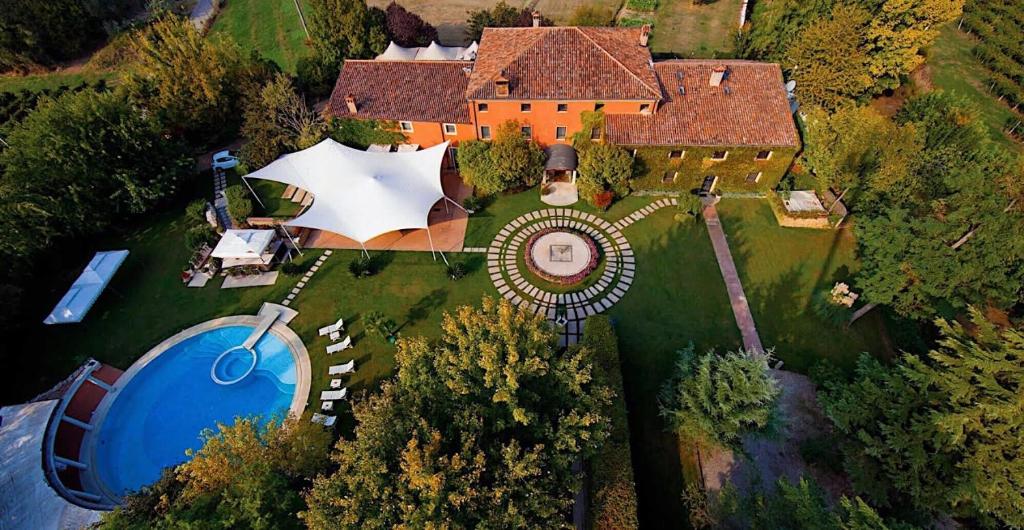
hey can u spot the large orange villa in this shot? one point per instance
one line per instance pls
(710, 124)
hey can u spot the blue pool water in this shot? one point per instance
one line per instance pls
(162, 410)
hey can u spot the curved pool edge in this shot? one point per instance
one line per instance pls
(303, 374)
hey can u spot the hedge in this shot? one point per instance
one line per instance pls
(613, 502)
(651, 164)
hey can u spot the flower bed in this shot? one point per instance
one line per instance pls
(561, 280)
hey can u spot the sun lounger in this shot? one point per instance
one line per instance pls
(331, 395)
(379, 148)
(326, 421)
(289, 192)
(299, 196)
(408, 148)
(335, 383)
(327, 330)
(308, 200)
(343, 345)
(342, 369)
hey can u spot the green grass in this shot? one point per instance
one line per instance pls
(273, 205)
(270, 27)
(145, 303)
(953, 68)
(412, 289)
(781, 269)
(38, 82)
(678, 297)
(695, 30)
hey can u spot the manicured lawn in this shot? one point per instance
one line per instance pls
(270, 27)
(954, 68)
(781, 270)
(145, 303)
(412, 289)
(678, 297)
(696, 30)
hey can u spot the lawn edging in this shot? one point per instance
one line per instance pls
(613, 499)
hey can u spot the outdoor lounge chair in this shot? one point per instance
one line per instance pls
(337, 326)
(322, 419)
(342, 369)
(331, 395)
(327, 406)
(335, 383)
(343, 345)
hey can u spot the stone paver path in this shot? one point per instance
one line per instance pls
(565, 309)
(305, 278)
(738, 300)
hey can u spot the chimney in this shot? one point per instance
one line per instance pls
(501, 86)
(717, 75)
(645, 33)
(350, 102)
(536, 19)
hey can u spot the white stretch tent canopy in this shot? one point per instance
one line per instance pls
(434, 52)
(243, 244)
(360, 194)
(87, 288)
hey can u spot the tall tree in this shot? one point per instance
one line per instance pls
(828, 59)
(863, 155)
(189, 80)
(79, 162)
(246, 475)
(508, 162)
(44, 32)
(478, 429)
(501, 15)
(407, 28)
(941, 433)
(900, 30)
(278, 120)
(346, 29)
(953, 241)
(717, 399)
(604, 167)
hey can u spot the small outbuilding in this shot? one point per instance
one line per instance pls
(240, 248)
(558, 187)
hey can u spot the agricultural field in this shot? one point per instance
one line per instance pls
(271, 27)
(449, 16)
(952, 66)
(687, 29)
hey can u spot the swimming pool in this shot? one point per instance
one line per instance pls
(167, 403)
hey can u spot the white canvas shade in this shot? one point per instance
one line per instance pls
(434, 52)
(360, 194)
(87, 288)
(242, 244)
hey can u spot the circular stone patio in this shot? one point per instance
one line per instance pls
(561, 254)
(611, 286)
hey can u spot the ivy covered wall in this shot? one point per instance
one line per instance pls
(651, 164)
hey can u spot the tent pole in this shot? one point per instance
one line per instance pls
(364, 250)
(431, 239)
(292, 239)
(253, 192)
(457, 205)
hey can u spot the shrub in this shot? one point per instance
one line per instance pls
(456, 271)
(293, 268)
(474, 203)
(378, 324)
(508, 162)
(199, 234)
(613, 504)
(196, 210)
(408, 29)
(361, 267)
(239, 205)
(360, 134)
(604, 167)
(690, 207)
(315, 76)
(603, 200)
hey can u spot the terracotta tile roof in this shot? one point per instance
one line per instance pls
(754, 112)
(431, 91)
(564, 63)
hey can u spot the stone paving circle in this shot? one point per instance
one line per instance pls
(560, 253)
(503, 268)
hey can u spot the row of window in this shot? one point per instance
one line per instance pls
(717, 155)
(595, 134)
(670, 177)
(645, 108)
